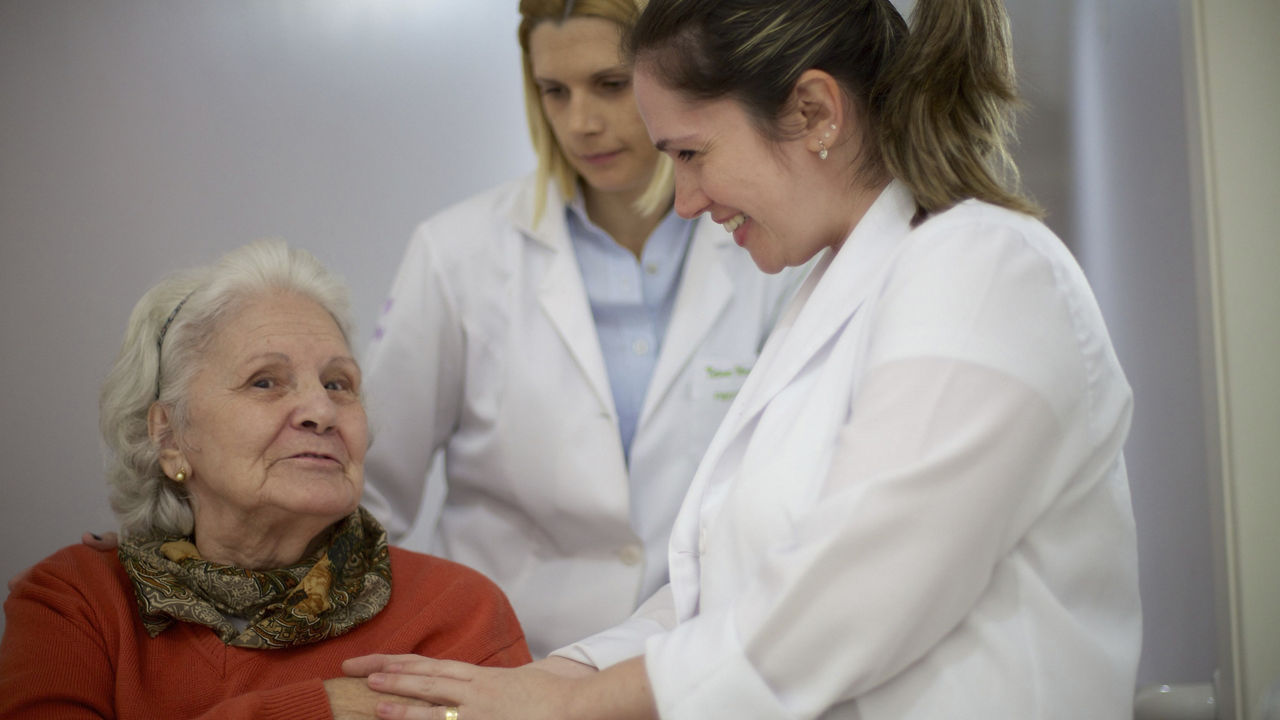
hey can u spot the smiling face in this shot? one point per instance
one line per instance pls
(780, 201)
(586, 96)
(275, 433)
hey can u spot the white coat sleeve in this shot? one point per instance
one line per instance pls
(413, 383)
(625, 640)
(972, 418)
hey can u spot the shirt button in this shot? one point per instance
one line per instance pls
(640, 347)
(651, 268)
(631, 555)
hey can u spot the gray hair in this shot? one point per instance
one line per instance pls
(168, 332)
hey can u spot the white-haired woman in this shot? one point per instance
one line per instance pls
(246, 570)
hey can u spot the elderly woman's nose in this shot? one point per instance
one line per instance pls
(316, 410)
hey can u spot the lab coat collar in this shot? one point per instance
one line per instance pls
(551, 230)
(706, 289)
(828, 298)
(561, 292)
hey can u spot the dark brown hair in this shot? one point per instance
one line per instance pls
(938, 100)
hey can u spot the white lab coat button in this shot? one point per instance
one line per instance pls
(640, 347)
(631, 555)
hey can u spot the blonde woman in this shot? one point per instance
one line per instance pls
(570, 342)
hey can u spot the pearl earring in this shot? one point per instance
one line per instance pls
(822, 143)
(180, 476)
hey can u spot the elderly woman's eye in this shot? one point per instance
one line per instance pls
(264, 383)
(338, 385)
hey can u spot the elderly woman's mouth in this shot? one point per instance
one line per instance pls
(311, 456)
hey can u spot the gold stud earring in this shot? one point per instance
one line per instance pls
(180, 476)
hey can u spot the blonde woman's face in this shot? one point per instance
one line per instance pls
(586, 97)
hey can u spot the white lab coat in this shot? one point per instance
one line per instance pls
(487, 348)
(917, 506)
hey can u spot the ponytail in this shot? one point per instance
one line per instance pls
(939, 98)
(943, 111)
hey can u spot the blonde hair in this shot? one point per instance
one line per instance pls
(553, 166)
(938, 100)
(168, 332)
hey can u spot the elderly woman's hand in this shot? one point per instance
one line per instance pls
(351, 699)
(105, 541)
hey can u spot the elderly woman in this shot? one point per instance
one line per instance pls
(246, 570)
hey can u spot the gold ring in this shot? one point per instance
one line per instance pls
(451, 713)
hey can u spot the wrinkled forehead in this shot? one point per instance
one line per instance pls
(278, 320)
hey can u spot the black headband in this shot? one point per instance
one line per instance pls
(164, 329)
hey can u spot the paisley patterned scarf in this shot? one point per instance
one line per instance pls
(343, 582)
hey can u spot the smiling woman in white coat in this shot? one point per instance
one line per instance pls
(569, 342)
(917, 506)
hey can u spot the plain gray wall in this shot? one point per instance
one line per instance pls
(141, 136)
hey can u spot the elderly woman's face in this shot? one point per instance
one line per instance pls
(275, 423)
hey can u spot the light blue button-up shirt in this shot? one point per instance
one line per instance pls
(631, 302)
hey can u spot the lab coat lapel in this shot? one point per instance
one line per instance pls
(822, 306)
(561, 293)
(833, 299)
(705, 291)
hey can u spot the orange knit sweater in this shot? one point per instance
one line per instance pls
(74, 646)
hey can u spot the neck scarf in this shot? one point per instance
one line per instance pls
(342, 582)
